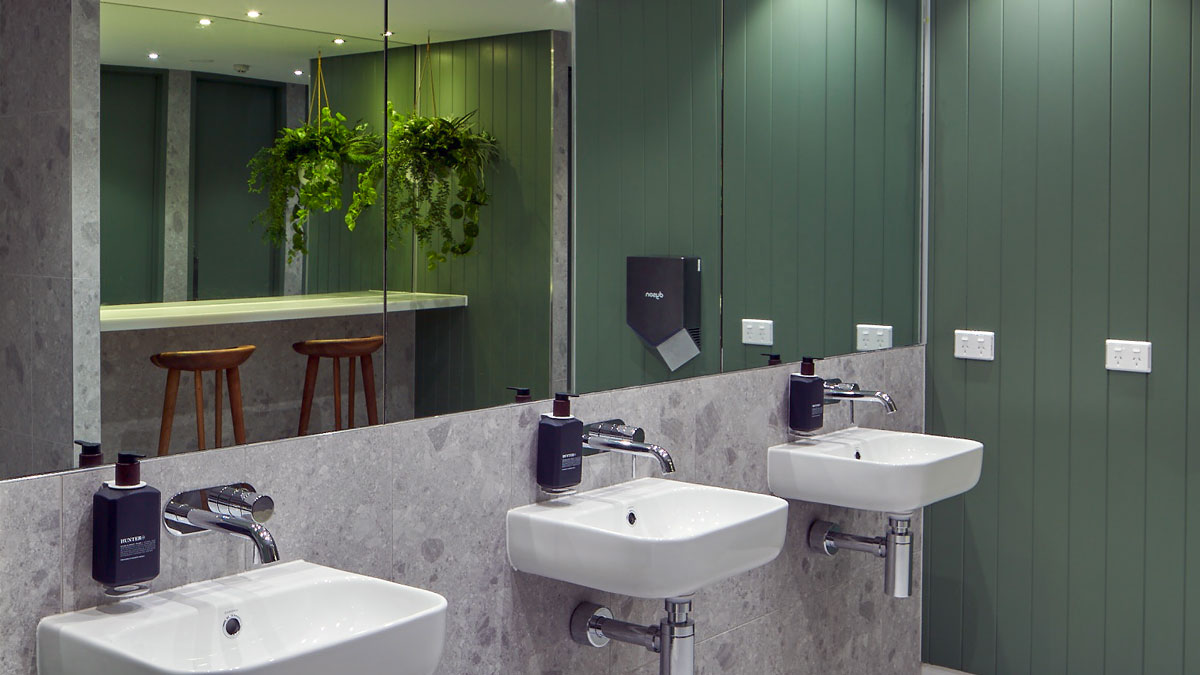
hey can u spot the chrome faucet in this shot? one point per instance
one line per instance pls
(236, 509)
(836, 390)
(616, 436)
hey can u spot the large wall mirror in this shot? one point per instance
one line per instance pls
(772, 144)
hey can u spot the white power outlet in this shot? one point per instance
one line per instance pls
(1127, 355)
(758, 332)
(976, 345)
(872, 337)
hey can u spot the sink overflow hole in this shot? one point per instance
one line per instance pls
(632, 518)
(232, 626)
(857, 455)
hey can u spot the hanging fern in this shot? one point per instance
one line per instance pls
(435, 170)
(303, 172)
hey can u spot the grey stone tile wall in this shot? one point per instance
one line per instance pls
(49, 225)
(423, 502)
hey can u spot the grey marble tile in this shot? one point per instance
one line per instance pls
(16, 355)
(538, 639)
(50, 365)
(560, 285)
(47, 191)
(177, 185)
(30, 564)
(85, 176)
(399, 364)
(85, 373)
(448, 527)
(333, 497)
(15, 449)
(35, 55)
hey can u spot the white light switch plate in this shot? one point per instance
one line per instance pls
(872, 337)
(758, 332)
(1127, 355)
(976, 345)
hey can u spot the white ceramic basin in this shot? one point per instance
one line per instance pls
(649, 538)
(294, 618)
(874, 470)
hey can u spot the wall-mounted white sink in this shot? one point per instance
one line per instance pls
(292, 618)
(874, 470)
(648, 538)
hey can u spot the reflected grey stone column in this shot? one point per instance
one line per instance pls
(177, 187)
(84, 102)
(295, 112)
(560, 292)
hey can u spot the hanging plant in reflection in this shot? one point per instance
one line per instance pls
(435, 173)
(435, 176)
(304, 170)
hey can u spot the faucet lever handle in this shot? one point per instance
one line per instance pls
(240, 500)
(617, 428)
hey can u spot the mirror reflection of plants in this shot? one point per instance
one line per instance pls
(303, 172)
(435, 170)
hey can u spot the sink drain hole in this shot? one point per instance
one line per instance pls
(232, 626)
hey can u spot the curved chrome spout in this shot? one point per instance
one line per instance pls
(180, 512)
(597, 442)
(836, 390)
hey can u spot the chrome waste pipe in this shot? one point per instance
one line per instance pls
(895, 547)
(673, 638)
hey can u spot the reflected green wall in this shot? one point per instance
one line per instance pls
(1066, 210)
(466, 358)
(132, 147)
(777, 140)
(820, 173)
(232, 118)
(647, 157)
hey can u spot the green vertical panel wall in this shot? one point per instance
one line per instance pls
(340, 259)
(232, 118)
(1063, 213)
(821, 172)
(647, 129)
(132, 130)
(466, 357)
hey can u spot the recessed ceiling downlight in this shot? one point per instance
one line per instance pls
(254, 14)
(205, 22)
(298, 72)
(339, 41)
(152, 55)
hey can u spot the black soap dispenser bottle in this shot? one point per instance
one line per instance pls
(126, 521)
(559, 449)
(806, 399)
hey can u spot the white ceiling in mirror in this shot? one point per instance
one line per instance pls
(129, 35)
(129, 32)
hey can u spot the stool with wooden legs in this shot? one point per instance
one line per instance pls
(359, 349)
(222, 362)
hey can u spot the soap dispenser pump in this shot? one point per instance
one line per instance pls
(806, 399)
(89, 454)
(560, 449)
(126, 521)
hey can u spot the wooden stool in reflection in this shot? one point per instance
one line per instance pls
(351, 348)
(223, 362)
